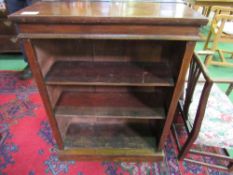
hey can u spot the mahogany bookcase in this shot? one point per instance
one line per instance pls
(109, 73)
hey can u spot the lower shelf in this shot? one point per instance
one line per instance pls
(111, 140)
(114, 124)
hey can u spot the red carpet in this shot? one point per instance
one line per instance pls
(27, 146)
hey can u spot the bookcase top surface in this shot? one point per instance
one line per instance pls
(135, 12)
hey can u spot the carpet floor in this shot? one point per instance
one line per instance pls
(28, 148)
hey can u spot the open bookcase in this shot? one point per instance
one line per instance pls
(110, 83)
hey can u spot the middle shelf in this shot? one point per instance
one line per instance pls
(110, 73)
(111, 104)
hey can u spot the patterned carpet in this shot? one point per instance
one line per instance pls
(28, 148)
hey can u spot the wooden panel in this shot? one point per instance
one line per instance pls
(144, 50)
(8, 43)
(94, 155)
(123, 50)
(109, 29)
(105, 135)
(6, 27)
(110, 73)
(45, 61)
(63, 49)
(111, 104)
(111, 12)
(111, 139)
(54, 93)
(63, 124)
(8, 40)
(107, 50)
(98, 50)
(168, 36)
(175, 57)
(187, 56)
(43, 91)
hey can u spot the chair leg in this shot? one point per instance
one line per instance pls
(207, 40)
(229, 89)
(186, 147)
(208, 10)
(208, 60)
(209, 57)
(221, 62)
(222, 56)
(230, 167)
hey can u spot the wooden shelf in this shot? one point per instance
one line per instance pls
(110, 73)
(136, 105)
(111, 139)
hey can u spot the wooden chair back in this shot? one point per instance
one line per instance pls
(196, 71)
(222, 15)
(197, 75)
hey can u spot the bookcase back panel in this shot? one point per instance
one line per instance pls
(50, 51)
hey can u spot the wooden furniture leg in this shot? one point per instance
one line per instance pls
(229, 89)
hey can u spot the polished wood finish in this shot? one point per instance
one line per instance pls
(92, 18)
(107, 69)
(133, 29)
(86, 12)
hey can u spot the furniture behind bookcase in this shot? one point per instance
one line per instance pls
(8, 39)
